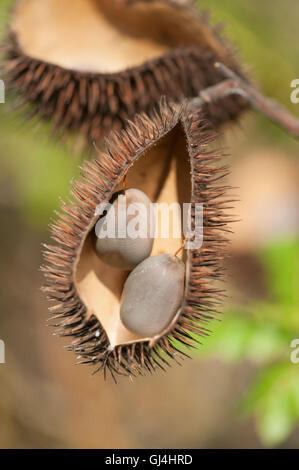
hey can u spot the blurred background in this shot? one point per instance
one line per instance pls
(241, 389)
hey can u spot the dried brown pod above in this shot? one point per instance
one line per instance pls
(172, 156)
(89, 67)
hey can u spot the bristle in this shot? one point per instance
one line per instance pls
(205, 265)
(94, 104)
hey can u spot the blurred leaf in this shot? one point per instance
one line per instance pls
(281, 260)
(266, 342)
(229, 339)
(39, 168)
(241, 336)
(273, 399)
(276, 420)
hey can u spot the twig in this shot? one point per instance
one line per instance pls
(234, 85)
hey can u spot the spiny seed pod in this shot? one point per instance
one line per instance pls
(91, 67)
(153, 295)
(172, 156)
(119, 247)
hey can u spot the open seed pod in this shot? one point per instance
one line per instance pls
(89, 65)
(170, 156)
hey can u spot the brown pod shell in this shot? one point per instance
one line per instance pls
(172, 156)
(153, 294)
(120, 248)
(90, 67)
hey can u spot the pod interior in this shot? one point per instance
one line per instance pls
(163, 173)
(108, 36)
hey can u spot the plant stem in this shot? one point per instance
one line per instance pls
(234, 85)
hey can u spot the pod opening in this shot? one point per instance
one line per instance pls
(105, 36)
(163, 173)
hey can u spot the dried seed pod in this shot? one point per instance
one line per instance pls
(120, 248)
(90, 67)
(152, 295)
(172, 157)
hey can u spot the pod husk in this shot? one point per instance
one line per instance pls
(89, 76)
(172, 156)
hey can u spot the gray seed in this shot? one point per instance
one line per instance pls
(152, 295)
(121, 250)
